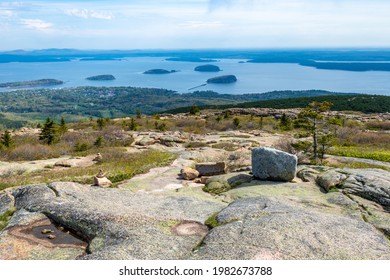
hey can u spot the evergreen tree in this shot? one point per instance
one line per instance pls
(310, 118)
(133, 125)
(285, 123)
(49, 132)
(194, 110)
(63, 128)
(6, 139)
(236, 122)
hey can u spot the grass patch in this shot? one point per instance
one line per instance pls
(4, 218)
(362, 152)
(359, 165)
(118, 165)
(227, 146)
(212, 222)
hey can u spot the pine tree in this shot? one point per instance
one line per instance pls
(6, 139)
(63, 128)
(49, 132)
(133, 125)
(310, 118)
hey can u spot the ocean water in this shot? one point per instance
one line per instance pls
(252, 77)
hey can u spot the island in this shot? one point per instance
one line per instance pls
(207, 68)
(34, 83)
(105, 77)
(227, 79)
(159, 71)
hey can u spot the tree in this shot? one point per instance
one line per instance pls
(285, 123)
(99, 142)
(194, 110)
(62, 128)
(236, 122)
(138, 112)
(49, 132)
(6, 139)
(310, 118)
(100, 123)
(133, 125)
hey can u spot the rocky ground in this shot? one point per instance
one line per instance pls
(323, 213)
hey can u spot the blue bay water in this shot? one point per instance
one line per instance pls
(252, 77)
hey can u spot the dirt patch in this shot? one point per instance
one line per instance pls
(48, 234)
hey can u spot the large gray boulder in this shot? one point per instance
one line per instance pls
(274, 165)
(372, 184)
(277, 228)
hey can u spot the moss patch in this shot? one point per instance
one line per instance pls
(4, 218)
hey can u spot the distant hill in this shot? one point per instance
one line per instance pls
(358, 103)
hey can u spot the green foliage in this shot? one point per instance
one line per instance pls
(6, 139)
(236, 122)
(362, 152)
(133, 125)
(285, 123)
(81, 147)
(49, 133)
(138, 113)
(99, 142)
(62, 128)
(101, 123)
(4, 218)
(212, 222)
(194, 110)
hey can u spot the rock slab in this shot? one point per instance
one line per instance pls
(274, 165)
(211, 168)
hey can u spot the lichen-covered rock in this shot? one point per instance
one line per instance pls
(223, 183)
(6, 202)
(274, 165)
(265, 228)
(372, 184)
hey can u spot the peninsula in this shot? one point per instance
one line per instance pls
(34, 83)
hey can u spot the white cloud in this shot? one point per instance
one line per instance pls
(86, 13)
(37, 24)
(202, 24)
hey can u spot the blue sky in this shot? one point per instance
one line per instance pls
(177, 24)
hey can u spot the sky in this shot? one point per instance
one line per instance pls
(193, 24)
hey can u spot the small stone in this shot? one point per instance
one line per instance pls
(51, 236)
(189, 173)
(98, 157)
(102, 182)
(46, 231)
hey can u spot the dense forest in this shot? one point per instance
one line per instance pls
(358, 103)
(111, 102)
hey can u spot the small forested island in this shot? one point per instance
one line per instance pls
(227, 79)
(101, 78)
(34, 83)
(160, 71)
(207, 68)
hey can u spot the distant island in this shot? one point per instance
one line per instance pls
(191, 59)
(207, 68)
(34, 83)
(159, 71)
(227, 79)
(106, 77)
